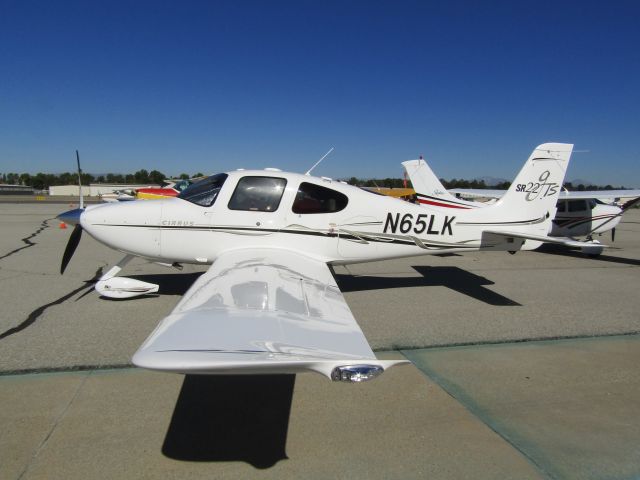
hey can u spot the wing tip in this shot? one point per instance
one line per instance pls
(355, 369)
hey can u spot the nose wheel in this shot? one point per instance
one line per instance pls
(111, 286)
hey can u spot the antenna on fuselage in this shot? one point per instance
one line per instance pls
(318, 162)
(79, 180)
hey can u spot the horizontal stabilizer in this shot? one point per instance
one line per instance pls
(567, 242)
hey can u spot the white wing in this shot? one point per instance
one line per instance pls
(477, 193)
(603, 194)
(262, 311)
(572, 195)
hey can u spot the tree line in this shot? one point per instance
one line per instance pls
(460, 183)
(448, 184)
(42, 181)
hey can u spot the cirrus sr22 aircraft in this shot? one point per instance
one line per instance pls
(269, 302)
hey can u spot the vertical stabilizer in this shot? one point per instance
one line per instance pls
(424, 180)
(530, 202)
(429, 188)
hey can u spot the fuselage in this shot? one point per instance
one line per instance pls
(321, 218)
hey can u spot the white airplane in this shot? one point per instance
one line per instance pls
(579, 214)
(124, 195)
(269, 302)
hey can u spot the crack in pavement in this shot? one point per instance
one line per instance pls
(33, 316)
(27, 239)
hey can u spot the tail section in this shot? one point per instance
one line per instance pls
(537, 187)
(428, 187)
(531, 199)
(522, 217)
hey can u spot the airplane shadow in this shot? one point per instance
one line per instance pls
(231, 418)
(566, 252)
(454, 278)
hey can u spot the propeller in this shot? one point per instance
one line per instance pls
(72, 244)
(80, 180)
(72, 217)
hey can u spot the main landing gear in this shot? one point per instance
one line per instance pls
(592, 250)
(122, 287)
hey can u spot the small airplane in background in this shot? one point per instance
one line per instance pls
(122, 195)
(578, 214)
(168, 190)
(269, 302)
(397, 192)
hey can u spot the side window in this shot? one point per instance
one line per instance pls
(257, 194)
(562, 206)
(313, 198)
(577, 205)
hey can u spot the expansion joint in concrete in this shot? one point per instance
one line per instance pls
(468, 404)
(54, 425)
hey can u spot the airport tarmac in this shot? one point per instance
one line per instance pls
(525, 366)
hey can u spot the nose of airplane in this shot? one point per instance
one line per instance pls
(126, 226)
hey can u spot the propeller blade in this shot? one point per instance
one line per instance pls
(80, 180)
(74, 240)
(613, 235)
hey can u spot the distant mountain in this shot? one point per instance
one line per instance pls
(491, 181)
(580, 181)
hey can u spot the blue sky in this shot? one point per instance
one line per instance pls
(211, 86)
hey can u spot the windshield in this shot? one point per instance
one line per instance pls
(182, 185)
(204, 192)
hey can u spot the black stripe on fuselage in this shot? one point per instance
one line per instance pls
(516, 222)
(366, 236)
(572, 222)
(436, 199)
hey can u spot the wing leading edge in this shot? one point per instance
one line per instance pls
(262, 311)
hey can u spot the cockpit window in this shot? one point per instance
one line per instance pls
(313, 198)
(577, 205)
(562, 206)
(204, 192)
(258, 194)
